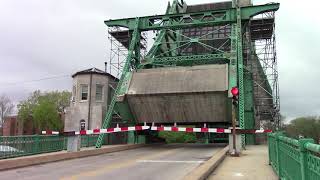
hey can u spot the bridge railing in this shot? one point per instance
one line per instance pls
(294, 159)
(116, 138)
(15, 146)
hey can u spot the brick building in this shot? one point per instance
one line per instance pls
(11, 126)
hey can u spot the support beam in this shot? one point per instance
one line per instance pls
(189, 20)
(134, 43)
(160, 37)
(192, 59)
(233, 60)
(240, 75)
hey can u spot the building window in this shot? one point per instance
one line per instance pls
(74, 94)
(99, 90)
(74, 91)
(84, 91)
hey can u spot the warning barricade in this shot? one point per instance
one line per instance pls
(157, 128)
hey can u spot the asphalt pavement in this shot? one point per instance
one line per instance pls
(154, 162)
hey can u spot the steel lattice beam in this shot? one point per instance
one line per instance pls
(188, 20)
(193, 59)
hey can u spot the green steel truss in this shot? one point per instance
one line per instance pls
(191, 60)
(170, 36)
(188, 20)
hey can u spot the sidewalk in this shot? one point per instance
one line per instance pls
(251, 165)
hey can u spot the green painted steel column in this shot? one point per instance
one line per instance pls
(131, 137)
(233, 59)
(303, 157)
(240, 75)
(135, 41)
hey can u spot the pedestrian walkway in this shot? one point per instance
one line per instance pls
(251, 165)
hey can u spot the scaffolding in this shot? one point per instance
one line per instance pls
(119, 39)
(265, 71)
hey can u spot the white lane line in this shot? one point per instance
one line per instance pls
(167, 161)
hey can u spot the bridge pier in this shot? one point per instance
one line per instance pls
(73, 143)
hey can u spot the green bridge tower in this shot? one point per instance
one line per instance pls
(236, 35)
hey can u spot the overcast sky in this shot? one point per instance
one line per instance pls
(46, 38)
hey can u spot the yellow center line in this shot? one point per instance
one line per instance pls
(113, 166)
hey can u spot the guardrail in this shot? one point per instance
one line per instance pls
(15, 146)
(294, 159)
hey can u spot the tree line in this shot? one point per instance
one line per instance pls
(307, 127)
(43, 110)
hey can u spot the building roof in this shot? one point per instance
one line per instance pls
(93, 71)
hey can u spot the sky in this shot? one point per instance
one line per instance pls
(43, 42)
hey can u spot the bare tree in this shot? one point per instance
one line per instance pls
(6, 107)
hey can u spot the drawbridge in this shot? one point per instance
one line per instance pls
(198, 54)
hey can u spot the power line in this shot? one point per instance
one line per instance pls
(34, 80)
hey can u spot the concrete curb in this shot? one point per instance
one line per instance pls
(19, 162)
(204, 170)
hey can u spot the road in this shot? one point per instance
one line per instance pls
(151, 162)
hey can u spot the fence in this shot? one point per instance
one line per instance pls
(15, 146)
(114, 138)
(294, 159)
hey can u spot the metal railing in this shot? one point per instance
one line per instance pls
(294, 159)
(15, 146)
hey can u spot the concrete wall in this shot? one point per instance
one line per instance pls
(180, 108)
(181, 94)
(79, 108)
(243, 3)
(204, 78)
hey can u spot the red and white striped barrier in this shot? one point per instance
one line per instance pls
(49, 132)
(190, 129)
(159, 128)
(209, 130)
(99, 131)
(112, 130)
